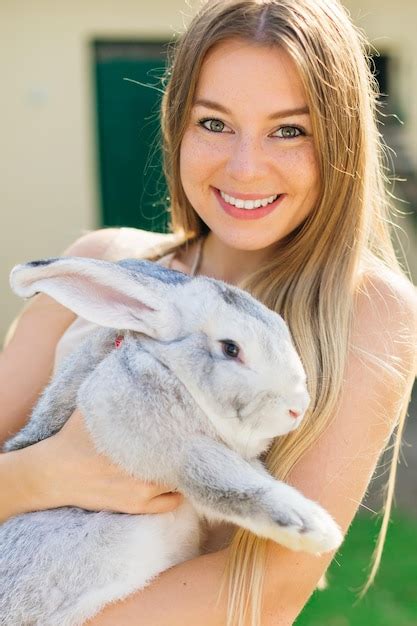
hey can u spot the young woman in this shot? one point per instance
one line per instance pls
(274, 165)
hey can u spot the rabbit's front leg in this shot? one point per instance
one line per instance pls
(222, 485)
(59, 399)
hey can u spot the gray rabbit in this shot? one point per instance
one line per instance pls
(188, 394)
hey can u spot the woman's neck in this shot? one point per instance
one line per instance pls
(218, 260)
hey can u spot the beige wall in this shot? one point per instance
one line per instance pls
(48, 188)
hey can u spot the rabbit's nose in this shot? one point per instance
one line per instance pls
(298, 404)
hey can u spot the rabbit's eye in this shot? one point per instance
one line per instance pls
(230, 349)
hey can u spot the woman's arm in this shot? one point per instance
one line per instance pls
(19, 490)
(66, 470)
(50, 473)
(27, 360)
(335, 472)
(25, 367)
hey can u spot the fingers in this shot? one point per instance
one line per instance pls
(104, 486)
(165, 502)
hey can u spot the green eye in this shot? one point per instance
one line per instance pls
(216, 126)
(289, 132)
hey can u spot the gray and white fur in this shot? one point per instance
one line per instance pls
(205, 378)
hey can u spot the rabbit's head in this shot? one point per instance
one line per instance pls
(234, 355)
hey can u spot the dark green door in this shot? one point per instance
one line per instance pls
(132, 186)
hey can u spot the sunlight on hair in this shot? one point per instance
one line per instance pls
(313, 280)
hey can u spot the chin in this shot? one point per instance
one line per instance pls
(246, 241)
(250, 235)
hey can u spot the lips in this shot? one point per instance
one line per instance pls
(248, 203)
(247, 214)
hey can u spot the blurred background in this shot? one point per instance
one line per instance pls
(81, 85)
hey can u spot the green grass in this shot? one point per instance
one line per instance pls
(392, 601)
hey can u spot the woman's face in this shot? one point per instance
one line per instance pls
(249, 140)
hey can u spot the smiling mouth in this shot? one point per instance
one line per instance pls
(249, 205)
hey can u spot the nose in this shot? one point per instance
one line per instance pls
(298, 404)
(247, 161)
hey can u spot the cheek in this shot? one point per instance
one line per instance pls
(190, 159)
(312, 168)
(301, 168)
(198, 156)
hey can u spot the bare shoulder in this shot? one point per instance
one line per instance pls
(112, 244)
(376, 386)
(388, 291)
(93, 243)
(385, 315)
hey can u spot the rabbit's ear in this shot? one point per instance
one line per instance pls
(133, 295)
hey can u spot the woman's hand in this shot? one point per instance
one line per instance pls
(68, 471)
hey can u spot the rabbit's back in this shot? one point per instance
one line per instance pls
(140, 414)
(60, 567)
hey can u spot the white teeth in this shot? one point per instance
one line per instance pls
(247, 204)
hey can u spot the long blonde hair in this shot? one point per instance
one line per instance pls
(313, 278)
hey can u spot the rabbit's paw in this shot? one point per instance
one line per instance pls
(301, 524)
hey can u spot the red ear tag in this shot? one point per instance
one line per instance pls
(118, 341)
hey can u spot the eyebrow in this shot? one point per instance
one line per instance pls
(219, 107)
